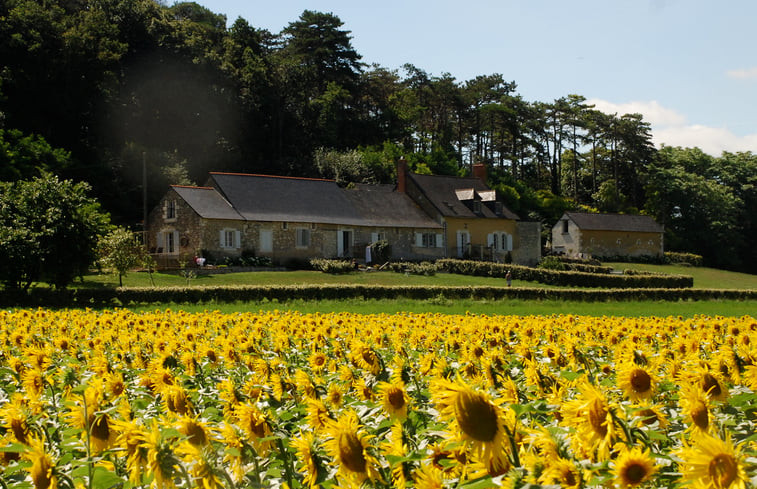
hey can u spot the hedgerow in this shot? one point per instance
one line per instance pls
(563, 277)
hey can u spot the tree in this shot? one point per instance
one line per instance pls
(49, 230)
(121, 250)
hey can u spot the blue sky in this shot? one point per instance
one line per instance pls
(689, 66)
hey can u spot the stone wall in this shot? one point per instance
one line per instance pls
(528, 248)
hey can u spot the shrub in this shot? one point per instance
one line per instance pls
(381, 251)
(552, 263)
(684, 258)
(332, 266)
(563, 278)
(412, 268)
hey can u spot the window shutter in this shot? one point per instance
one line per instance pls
(160, 242)
(222, 238)
(374, 237)
(165, 209)
(419, 239)
(439, 240)
(237, 239)
(176, 242)
(509, 243)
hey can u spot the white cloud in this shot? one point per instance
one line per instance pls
(672, 129)
(653, 112)
(743, 74)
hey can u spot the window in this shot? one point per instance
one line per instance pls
(565, 227)
(500, 241)
(477, 207)
(284, 226)
(170, 242)
(171, 210)
(303, 238)
(230, 238)
(428, 240)
(266, 241)
(375, 237)
(498, 208)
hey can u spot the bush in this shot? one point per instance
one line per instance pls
(684, 258)
(563, 278)
(46, 297)
(381, 251)
(647, 259)
(412, 268)
(551, 263)
(332, 266)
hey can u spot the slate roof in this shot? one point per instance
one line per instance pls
(614, 222)
(207, 202)
(444, 193)
(382, 206)
(309, 200)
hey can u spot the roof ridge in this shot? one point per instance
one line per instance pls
(193, 186)
(271, 176)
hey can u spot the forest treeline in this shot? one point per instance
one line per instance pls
(98, 90)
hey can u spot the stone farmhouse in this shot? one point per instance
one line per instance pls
(285, 218)
(607, 235)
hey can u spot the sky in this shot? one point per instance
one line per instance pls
(688, 66)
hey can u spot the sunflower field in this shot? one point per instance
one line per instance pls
(118, 399)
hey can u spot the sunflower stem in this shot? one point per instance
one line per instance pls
(287, 461)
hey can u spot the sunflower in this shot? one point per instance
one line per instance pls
(176, 400)
(318, 415)
(396, 446)
(335, 395)
(200, 466)
(638, 383)
(34, 382)
(712, 463)
(478, 420)
(394, 399)
(14, 419)
(348, 447)
(561, 472)
(633, 467)
(590, 416)
(428, 477)
(42, 470)
(306, 448)
(254, 425)
(198, 433)
(162, 462)
(713, 386)
(130, 439)
(695, 406)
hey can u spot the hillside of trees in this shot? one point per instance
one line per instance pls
(96, 90)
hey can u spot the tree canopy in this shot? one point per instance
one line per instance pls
(113, 83)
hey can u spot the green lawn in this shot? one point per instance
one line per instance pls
(483, 307)
(141, 279)
(704, 278)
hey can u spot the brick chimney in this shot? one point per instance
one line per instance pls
(402, 175)
(479, 171)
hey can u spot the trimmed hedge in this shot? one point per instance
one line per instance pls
(688, 258)
(564, 278)
(146, 295)
(332, 266)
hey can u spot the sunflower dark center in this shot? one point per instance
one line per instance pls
(100, 428)
(711, 385)
(723, 470)
(700, 416)
(351, 452)
(396, 398)
(640, 380)
(476, 416)
(634, 473)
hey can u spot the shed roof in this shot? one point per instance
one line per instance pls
(614, 222)
(206, 202)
